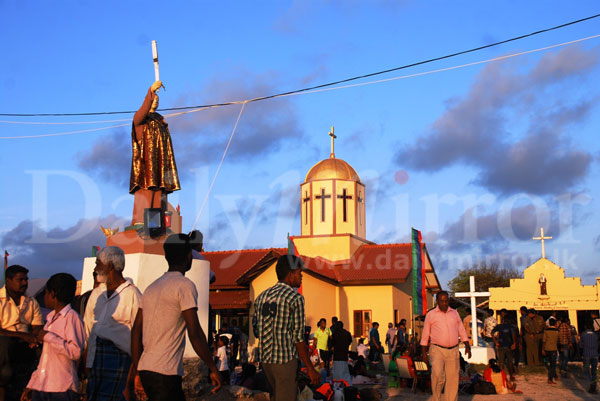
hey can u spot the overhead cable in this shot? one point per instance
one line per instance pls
(322, 85)
(499, 58)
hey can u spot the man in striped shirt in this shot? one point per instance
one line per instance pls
(278, 322)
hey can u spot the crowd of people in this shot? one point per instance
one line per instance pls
(115, 343)
(102, 345)
(553, 342)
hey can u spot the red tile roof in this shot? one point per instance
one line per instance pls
(388, 263)
(233, 299)
(228, 266)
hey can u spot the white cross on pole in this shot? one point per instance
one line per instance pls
(542, 238)
(473, 295)
(155, 59)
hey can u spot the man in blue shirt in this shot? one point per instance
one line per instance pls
(375, 348)
(506, 341)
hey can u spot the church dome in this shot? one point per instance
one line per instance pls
(332, 168)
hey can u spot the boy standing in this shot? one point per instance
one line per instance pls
(223, 364)
(63, 337)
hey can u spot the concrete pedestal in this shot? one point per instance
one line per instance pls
(479, 355)
(144, 268)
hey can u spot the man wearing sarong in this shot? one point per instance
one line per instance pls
(109, 317)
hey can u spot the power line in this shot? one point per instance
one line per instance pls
(431, 60)
(418, 74)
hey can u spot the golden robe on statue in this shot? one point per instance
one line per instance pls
(153, 162)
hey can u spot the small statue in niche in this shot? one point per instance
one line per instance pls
(542, 282)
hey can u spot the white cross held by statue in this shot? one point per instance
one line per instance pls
(155, 58)
(542, 238)
(473, 295)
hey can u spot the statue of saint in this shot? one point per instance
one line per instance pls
(153, 168)
(542, 282)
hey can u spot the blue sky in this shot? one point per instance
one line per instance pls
(478, 158)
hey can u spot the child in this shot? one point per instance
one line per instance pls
(222, 364)
(63, 337)
(497, 377)
(361, 348)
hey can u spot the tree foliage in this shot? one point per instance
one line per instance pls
(486, 276)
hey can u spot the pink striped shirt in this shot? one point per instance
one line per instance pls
(63, 344)
(443, 328)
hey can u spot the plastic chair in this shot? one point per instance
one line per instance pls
(406, 370)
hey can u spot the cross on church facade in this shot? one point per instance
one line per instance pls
(345, 198)
(542, 238)
(306, 199)
(322, 197)
(473, 295)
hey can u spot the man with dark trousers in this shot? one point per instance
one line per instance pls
(168, 309)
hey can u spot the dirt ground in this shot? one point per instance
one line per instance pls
(570, 387)
(534, 387)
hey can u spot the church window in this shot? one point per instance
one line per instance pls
(362, 323)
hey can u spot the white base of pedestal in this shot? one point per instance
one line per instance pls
(144, 268)
(479, 355)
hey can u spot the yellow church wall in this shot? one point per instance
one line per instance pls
(563, 293)
(320, 300)
(323, 299)
(348, 226)
(402, 300)
(322, 227)
(378, 299)
(331, 248)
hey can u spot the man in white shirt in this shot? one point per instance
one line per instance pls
(169, 307)
(108, 319)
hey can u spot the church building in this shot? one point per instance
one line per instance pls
(545, 288)
(346, 275)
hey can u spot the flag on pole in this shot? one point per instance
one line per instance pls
(418, 274)
(6, 255)
(291, 247)
(95, 250)
(293, 251)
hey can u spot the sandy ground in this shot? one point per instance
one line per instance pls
(534, 387)
(570, 387)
